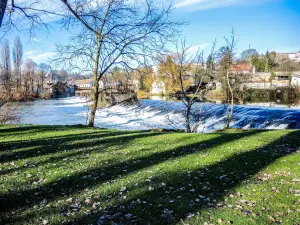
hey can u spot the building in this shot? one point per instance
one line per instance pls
(87, 84)
(263, 80)
(84, 84)
(295, 81)
(242, 68)
(158, 87)
(295, 56)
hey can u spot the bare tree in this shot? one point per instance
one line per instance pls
(36, 13)
(226, 60)
(8, 110)
(6, 66)
(3, 5)
(114, 32)
(29, 76)
(41, 75)
(192, 67)
(17, 61)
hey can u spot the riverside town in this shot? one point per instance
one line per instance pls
(149, 112)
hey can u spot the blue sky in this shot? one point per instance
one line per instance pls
(263, 24)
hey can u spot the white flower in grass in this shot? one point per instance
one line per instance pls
(150, 188)
(123, 189)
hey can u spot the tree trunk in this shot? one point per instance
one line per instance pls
(3, 5)
(95, 104)
(187, 119)
(230, 112)
(96, 85)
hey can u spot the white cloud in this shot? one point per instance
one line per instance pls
(34, 39)
(38, 57)
(210, 4)
(195, 48)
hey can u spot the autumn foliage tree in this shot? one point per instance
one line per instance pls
(168, 72)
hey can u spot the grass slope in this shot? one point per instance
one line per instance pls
(79, 175)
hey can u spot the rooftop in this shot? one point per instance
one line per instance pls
(85, 81)
(241, 67)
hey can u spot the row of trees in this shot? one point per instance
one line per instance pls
(11, 75)
(269, 62)
(23, 77)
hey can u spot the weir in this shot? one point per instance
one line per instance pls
(155, 114)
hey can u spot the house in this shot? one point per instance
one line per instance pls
(242, 68)
(295, 56)
(87, 84)
(295, 81)
(84, 84)
(263, 80)
(135, 84)
(158, 87)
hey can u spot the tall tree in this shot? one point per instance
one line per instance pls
(227, 58)
(144, 76)
(17, 61)
(6, 66)
(188, 66)
(247, 54)
(114, 32)
(267, 68)
(258, 62)
(168, 72)
(29, 76)
(3, 5)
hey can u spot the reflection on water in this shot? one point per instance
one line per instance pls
(65, 111)
(162, 98)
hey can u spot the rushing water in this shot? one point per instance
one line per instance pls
(154, 114)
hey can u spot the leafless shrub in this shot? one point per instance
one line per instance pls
(8, 111)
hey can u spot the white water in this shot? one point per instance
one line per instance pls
(154, 114)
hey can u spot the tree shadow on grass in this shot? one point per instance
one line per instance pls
(45, 146)
(33, 129)
(211, 183)
(96, 143)
(74, 182)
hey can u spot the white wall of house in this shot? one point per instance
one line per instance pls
(259, 85)
(293, 56)
(84, 85)
(136, 84)
(158, 87)
(101, 84)
(89, 85)
(295, 81)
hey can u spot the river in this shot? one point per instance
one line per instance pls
(154, 114)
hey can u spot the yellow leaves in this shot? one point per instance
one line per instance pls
(271, 219)
(169, 72)
(264, 177)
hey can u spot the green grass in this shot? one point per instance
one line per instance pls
(79, 175)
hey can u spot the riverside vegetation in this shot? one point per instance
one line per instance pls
(80, 175)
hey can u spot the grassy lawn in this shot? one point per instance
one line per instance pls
(79, 175)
